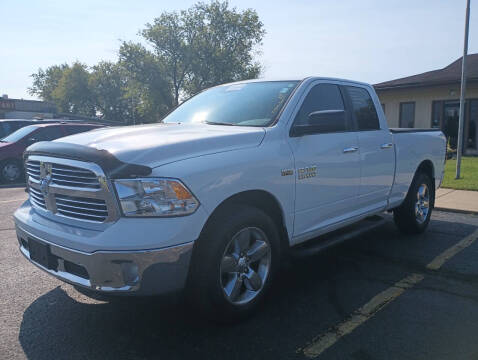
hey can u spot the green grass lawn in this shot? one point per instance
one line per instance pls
(469, 174)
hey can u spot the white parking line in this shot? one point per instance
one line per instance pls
(378, 302)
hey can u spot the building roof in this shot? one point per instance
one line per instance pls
(447, 75)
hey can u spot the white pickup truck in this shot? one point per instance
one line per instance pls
(214, 197)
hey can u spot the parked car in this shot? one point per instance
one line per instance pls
(7, 126)
(213, 199)
(13, 145)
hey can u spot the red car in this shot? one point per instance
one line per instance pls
(13, 145)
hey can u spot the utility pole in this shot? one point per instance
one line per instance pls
(461, 120)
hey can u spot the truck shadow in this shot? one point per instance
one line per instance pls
(309, 296)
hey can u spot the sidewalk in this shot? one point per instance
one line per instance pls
(457, 200)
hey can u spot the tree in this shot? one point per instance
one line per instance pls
(149, 81)
(72, 93)
(206, 45)
(45, 81)
(225, 49)
(108, 83)
(184, 53)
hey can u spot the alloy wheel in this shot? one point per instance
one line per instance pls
(422, 205)
(245, 265)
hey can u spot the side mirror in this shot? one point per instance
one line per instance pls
(324, 121)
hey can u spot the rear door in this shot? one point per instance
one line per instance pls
(377, 156)
(327, 167)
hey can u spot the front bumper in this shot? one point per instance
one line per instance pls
(148, 272)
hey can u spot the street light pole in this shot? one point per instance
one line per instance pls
(461, 120)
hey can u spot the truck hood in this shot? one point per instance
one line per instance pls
(158, 144)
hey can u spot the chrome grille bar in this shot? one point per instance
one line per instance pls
(73, 176)
(33, 169)
(71, 189)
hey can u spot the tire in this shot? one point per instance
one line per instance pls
(413, 216)
(234, 262)
(11, 171)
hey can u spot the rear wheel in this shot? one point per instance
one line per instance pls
(233, 263)
(10, 171)
(414, 214)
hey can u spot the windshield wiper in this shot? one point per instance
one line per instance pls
(218, 123)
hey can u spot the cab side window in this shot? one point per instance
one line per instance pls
(323, 97)
(363, 108)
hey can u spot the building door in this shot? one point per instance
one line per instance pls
(451, 114)
(471, 128)
(445, 116)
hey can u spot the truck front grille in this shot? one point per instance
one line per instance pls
(70, 189)
(81, 208)
(73, 177)
(37, 197)
(33, 169)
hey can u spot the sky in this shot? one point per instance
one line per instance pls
(364, 40)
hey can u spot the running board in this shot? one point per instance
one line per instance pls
(336, 237)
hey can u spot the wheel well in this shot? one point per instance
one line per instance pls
(426, 166)
(262, 200)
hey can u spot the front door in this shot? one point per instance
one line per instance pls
(327, 166)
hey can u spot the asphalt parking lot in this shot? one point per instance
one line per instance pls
(381, 295)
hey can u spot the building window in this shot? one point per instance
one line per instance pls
(407, 115)
(437, 114)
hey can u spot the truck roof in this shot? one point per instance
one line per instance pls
(298, 79)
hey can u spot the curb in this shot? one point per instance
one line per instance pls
(458, 211)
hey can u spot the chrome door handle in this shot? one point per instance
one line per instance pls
(386, 146)
(350, 149)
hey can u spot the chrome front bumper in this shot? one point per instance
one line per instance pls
(148, 272)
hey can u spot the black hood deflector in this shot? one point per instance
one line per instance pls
(112, 166)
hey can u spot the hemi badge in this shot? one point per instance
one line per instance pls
(287, 172)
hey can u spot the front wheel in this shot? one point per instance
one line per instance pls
(234, 263)
(413, 216)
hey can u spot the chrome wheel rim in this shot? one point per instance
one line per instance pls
(11, 172)
(422, 205)
(245, 265)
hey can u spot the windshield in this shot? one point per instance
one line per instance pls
(19, 134)
(248, 104)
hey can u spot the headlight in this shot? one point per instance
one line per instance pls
(155, 197)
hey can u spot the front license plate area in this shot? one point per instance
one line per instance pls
(40, 253)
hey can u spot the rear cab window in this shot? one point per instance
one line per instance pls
(363, 108)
